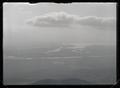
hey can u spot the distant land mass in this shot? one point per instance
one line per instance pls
(63, 51)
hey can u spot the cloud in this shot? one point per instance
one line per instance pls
(18, 58)
(64, 46)
(62, 19)
(97, 22)
(55, 50)
(55, 19)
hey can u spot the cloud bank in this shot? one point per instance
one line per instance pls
(97, 22)
(62, 19)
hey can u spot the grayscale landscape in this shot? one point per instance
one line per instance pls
(59, 44)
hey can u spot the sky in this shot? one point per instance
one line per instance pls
(27, 25)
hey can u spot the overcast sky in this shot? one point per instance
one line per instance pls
(26, 24)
